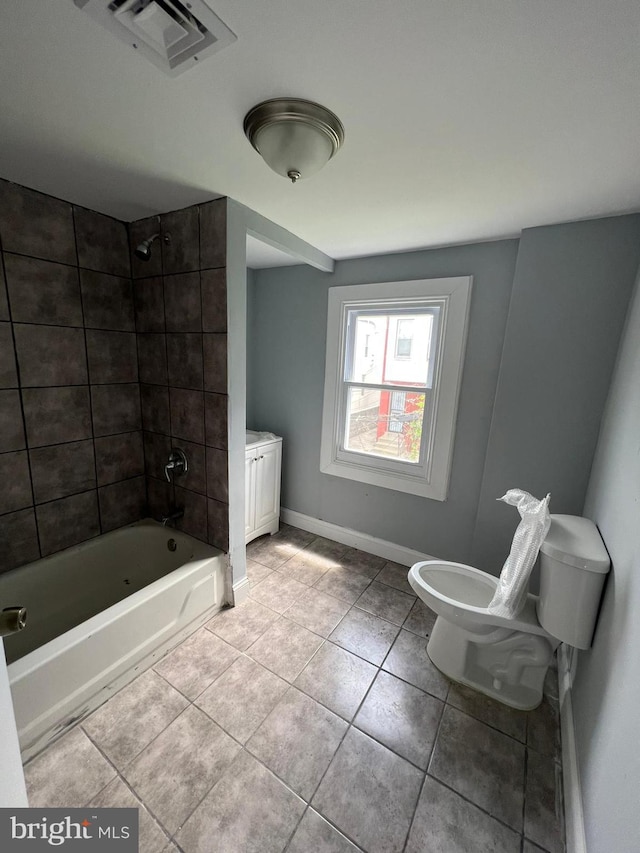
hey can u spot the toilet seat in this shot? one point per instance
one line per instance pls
(461, 594)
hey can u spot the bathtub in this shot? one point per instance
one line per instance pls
(98, 614)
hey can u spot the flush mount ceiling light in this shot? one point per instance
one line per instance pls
(296, 138)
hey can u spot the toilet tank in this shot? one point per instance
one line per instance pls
(573, 565)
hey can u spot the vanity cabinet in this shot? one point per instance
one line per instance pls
(262, 467)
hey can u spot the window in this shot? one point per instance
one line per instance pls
(393, 369)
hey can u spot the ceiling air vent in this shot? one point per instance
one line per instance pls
(175, 36)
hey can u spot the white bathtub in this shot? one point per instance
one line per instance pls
(98, 614)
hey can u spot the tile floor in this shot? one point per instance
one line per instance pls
(310, 720)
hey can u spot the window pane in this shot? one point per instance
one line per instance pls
(387, 424)
(390, 348)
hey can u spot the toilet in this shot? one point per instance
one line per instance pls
(507, 659)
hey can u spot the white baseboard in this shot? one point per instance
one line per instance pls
(241, 591)
(379, 547)
(573, 814)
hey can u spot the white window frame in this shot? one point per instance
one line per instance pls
(430, 479)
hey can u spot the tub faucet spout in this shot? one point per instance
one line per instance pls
(175, 515)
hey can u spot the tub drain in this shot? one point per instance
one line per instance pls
(172, 544)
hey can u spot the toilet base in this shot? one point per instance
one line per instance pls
(508, 666)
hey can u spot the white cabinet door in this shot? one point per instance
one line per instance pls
(249, 492)
(13, 793)
(267, 503)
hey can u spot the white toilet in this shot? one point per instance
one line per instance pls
(507, 659)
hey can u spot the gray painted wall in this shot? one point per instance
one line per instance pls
(546, 318)
(607, 688)
(286, 342)
(571, 290)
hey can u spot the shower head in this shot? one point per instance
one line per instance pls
(143, 251)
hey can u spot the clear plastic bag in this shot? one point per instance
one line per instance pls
(511, 592)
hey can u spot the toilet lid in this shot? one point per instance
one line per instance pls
(576, 541)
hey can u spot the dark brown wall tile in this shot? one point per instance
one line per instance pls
(215, 363)
(107, 301)
(119, 457)
(213, 284)
(8, 372)
(16, 484)
(54, 415)
(18, 539)
(35, 224)
(184, 358)
(102, 242)
(4, 302)
(194, 520)
(67, 522)
(62, 470)
(141, 230)
(183, 304)
(215, 409)
(11, 427)
(152, 359)
(115, 408)
(181, 252)
(213, 234)
(155, 408)
(218, 526)
(113, 357)
(50, 355)
(160, 498)
(156, 454)
(43, 292)
(122, 503)
(217, 474)
(148, 297)
(196, 477)
(187, 414)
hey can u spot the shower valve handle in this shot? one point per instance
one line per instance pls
(177, 463)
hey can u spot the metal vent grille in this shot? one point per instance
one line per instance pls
(173, 35)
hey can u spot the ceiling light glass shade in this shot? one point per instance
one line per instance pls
(295, 138)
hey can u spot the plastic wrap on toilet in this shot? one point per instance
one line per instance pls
(511, 592)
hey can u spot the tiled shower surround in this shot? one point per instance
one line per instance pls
(95, 385)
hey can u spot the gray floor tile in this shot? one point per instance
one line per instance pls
(285, 648)
(242, 697)
(326, 548)
(317, 611)
(482, 764)
(420, 620)
(196, 662)
(395, 575)
(278, 592)
(445, 823)
(306, 568)
(175, 771)
(67, 774)
(365, 635)
(360, 561)
(408, 659)
(402, 717)
(273, 551)
(529, 847)
(247, 811)
(369, 793)
(256, 572)
(315, 835)
(542, 814)
(487, 710)
(543, 730)
(386, 602)
(242, 625)
(297, 741)
(133, 717)
(344, 584)
(338, 679)
(118, 795)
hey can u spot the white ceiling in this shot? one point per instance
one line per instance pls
(464, 120)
